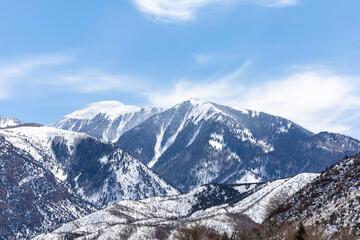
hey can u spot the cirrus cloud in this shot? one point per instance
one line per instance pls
(184, 10)
(14, 73)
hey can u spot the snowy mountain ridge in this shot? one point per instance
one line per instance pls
(9, 122)
(76, 158)
(221, 207)
(112, 109)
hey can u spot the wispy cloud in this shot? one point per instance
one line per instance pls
(215, 59)
(218, 89)
(184, 10)
(95, 81)
(53, 73)
(11, 74)
(316, 99)
(276, 3)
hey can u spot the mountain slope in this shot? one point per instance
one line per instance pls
(224, 208)
(331, 202)
(31, 199)
(107, 120)
(96, 171)
(198, 142)
(9, 122)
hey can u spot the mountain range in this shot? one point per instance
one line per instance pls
(198, 142)
(326, 205)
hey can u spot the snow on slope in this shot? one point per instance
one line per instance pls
(107, 120)
(221, 207)
(37, 141)
(31, 200)
(97, 171)
(9, 122)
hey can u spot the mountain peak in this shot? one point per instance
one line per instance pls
(107, 120)
(197, 101)
(9, 122)
(110, 108)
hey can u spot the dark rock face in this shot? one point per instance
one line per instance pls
(219, 194)
(84, 162)
(197, 142)
(31, 199)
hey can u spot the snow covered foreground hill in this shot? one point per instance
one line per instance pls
(225, 208)
(331, 203)
(51, 176)
(198, 142)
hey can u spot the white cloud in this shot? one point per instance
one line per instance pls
(317, 100)
(170, 10)
(184, 10)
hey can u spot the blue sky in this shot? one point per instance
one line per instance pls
(295, 58)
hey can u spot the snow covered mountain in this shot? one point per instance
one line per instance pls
(107, 120)
(95, 170)
(32, 200)
(198, 142)
(331, 202)
(224, 208)
(9, 122)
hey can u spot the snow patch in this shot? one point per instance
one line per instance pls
(217, 141)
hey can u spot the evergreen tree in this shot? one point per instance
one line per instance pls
(300, 233)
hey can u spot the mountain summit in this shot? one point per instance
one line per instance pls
(9, 122)
(107, 120)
